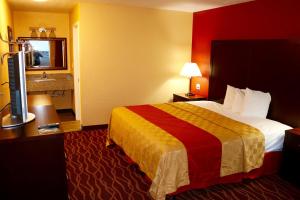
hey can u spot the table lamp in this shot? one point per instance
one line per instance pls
(189, 70)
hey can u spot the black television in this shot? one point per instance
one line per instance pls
(18, 95)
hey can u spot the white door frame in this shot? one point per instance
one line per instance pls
(76, 66)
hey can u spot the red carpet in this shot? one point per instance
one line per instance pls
(96, 172)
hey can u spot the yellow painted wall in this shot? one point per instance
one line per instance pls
(5, 20)
(23, 20)
(130, 55)
(74, 18)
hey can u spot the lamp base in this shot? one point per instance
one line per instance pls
(189, 94)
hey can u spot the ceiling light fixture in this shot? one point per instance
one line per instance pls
(40, 0)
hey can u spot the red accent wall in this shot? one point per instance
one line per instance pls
(260, 19)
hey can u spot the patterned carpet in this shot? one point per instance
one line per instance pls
(96, 172)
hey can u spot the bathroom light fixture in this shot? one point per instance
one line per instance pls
(33, 33)
(52, 34)
(43, 31)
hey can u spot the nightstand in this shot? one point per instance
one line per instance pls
(290, 169)
(183, 97)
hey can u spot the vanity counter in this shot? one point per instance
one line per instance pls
(52, 82)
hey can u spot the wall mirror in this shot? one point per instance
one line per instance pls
(47, 54)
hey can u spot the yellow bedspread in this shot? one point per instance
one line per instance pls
(164, 158)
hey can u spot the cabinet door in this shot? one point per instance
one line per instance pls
(33, 169)
(291, 158)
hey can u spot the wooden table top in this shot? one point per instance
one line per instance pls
(45, 113)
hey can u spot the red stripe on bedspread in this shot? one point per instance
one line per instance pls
(204, 150)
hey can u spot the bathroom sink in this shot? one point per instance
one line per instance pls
(44, 80)
(49, 82)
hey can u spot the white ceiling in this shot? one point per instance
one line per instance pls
(178, 5)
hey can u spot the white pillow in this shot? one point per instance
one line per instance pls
(229, 97)
(238, 101)
(256, 104)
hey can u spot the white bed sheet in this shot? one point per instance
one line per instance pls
(272, 130)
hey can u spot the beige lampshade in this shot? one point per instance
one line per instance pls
(43, 34)
(190, 69)
(33, 33)
(52, 33)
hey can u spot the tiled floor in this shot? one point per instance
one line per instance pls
(66, 115)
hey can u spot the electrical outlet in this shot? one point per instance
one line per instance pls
(198, 86)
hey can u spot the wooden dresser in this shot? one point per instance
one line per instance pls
(32, 165)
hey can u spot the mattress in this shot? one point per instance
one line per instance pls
(273, 131)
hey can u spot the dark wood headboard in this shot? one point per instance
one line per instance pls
(266, 65)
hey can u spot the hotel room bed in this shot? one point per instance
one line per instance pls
(219, 149)
(197, 143)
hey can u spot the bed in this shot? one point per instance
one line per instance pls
(193, 145)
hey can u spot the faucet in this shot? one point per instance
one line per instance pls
(44, 75)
